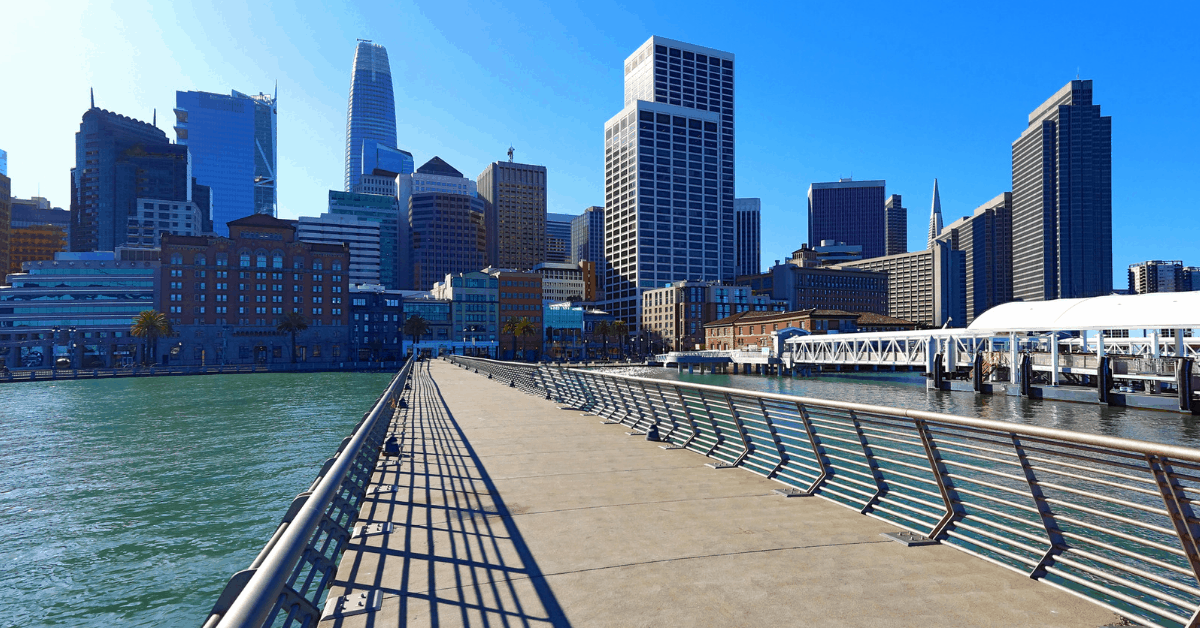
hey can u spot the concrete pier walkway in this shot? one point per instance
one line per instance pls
(511, 511)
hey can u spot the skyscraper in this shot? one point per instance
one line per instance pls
(1158, 276)
(850, 212)
(515, 197)
(558, 237)
(669, 174)
(395, 268)
(747, 235)
(935, 217)
(447, 222)
(587, 235)
(362, 236)
(233, 142)
(119, 160)
(895, 229)
(1062, 199)
(371, 114)
(985, 238)
(3, 163)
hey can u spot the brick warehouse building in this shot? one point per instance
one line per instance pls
(224, 296)
(754, 328)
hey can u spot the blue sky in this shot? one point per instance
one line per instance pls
(872, 90)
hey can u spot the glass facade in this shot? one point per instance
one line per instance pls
(749, 234)
(232, 140)
(850, 212)
(385, 211)
(371, 114)
(558, 237)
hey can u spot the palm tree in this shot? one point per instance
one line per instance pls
(149, 325)
(604, 329)
(292, 323)
(510, 328)
(524, 327)
(620, 329)
(415, 326)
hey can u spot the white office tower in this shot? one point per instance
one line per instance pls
(669, 184)
(361, 235)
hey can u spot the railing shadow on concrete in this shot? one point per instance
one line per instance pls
(455, 555)
(1111, 520)
(286, 582)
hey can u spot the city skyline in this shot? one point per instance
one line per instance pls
(922, 121)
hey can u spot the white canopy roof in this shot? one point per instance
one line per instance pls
(1157, 310)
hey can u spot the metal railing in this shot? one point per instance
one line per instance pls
(285, 583)
(1109, 519)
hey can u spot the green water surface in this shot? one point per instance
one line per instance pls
(131, 501)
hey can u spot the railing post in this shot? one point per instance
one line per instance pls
(687, 414)
(939, 474)
(774, 438)
(1053, 533)
(737, 422)
(880, 487)
(816, 449)
(1179, 509)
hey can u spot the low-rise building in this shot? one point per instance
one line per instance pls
(562, 281)
(871, 322)
(377, 317)
(750, 331)
(475, 300)
(673, 316)
(520, 296)
(225, 296)
(77, 307)
(822, 287)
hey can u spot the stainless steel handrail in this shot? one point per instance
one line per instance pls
(1109, 519)
(293, 570)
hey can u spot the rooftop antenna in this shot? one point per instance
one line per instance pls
(1076, 72)
(154, 120)
(92, 90)
(510, 153)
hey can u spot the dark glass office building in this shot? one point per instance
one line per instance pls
(1062, 199)
(233, 141)
(850, 212)
(985, 238)
(748, 247)
(117, 161)
(558, 237)
(371, 115)
(895, 227)
(587, 235)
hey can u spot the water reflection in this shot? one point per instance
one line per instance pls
(907, 390)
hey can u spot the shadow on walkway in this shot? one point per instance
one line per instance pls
(454, 556)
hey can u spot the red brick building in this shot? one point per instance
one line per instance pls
(224, 296)
(520, 297)
(748, 329)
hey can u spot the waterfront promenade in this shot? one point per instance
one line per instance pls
(511, 511)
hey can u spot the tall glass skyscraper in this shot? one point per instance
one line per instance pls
(371, 115)
(749, 235)
(1062, 199)
(669, 184)
(233, 142)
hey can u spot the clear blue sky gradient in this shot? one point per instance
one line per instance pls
(873, 90)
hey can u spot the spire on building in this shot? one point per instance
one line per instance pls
(935, 216)
(92, 91)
